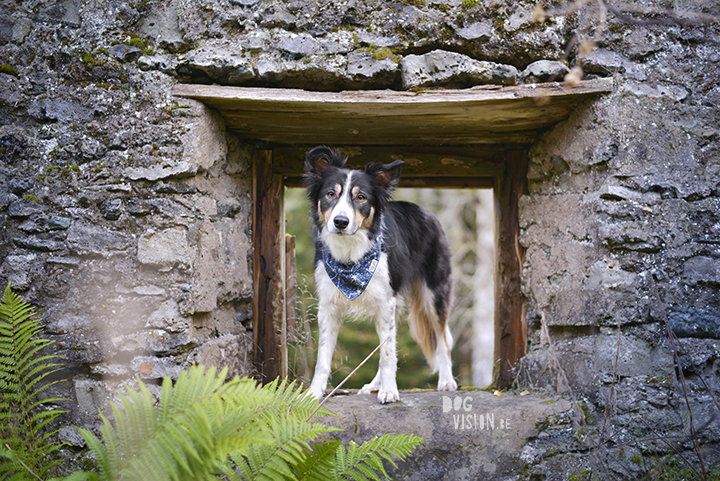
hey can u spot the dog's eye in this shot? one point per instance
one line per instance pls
(331, 194)
(361, 197)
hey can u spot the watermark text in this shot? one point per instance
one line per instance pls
(464, 419)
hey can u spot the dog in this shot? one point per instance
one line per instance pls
(372, 255)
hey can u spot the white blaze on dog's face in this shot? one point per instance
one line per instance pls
(345, 205)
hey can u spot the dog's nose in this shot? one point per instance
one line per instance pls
(341, 222)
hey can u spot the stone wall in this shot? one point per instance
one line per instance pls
(126, 212)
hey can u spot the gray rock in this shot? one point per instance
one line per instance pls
(54, 223)
(303, 45)
(222, 61)
(604, 62)
(362, 67)
(138, 207)
(477, 31)
(111, 209)
(125, 52)
(544, 71)
(502, 425)
(20, 185)
(16, 269)
(60, 11)
(84, 238)
(372, 38)
(46, 245)
(70, 435)
(279, 17)
(166, 248)
(168, 317)
(6, 199)
(149, 367)
(607, 274)
(173, 188)
(61, 110)
(164, 63)
(519, 19)
(702, 270)
(630, 236)
(91, 396)
(161, 24)
(224, 351)
(691, 322)
(312, 72)
(65, 261)
(165, 170)
(440, 68)
(22, 208)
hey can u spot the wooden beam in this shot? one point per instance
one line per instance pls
(269, 321)
(479, 115)
(420, 161)
(427, 182)
(510, 324)
(291, 288)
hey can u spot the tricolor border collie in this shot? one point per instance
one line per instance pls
(370, 255)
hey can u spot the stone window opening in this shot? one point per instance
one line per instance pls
(471, 138)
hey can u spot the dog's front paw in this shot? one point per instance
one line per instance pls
(450, 385)
(388, 396)
(369, 388)
(315, 392)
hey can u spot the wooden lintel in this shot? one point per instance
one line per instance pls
(480, 115)
(269, 321)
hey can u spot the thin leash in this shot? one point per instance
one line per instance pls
(346, 378)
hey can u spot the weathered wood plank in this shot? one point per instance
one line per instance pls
(510, 325)
(269, 321)
(424, 162)
(290, 288)
(427, 182)
(480, 115)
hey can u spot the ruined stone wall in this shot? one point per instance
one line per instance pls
(621, 228)
(126, 212)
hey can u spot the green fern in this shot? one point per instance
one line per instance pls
(203, 427)
(25, 436)
(332, 462)
(198, 422)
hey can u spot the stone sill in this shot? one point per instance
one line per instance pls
(483, 439)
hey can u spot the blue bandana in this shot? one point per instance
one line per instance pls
(353, 278)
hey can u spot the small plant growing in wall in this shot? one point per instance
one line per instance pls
(26, 446)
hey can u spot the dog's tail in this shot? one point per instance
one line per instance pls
(427, 326)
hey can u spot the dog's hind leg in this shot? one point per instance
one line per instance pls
(442, 361)
(329, 321)
(428, 326)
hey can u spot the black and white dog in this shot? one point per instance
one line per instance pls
(370, 254)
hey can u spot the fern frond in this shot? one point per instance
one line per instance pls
(291, 443)
(26, 416)
(359, 462)
(318, 464)
(198, 422)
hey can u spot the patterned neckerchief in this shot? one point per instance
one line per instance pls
(353, 278)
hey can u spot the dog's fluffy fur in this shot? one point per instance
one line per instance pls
(348, 208)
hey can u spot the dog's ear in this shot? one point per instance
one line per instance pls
(386, 176)
(318, 159)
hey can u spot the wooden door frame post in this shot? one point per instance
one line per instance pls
(510, 323)
(269, 321)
